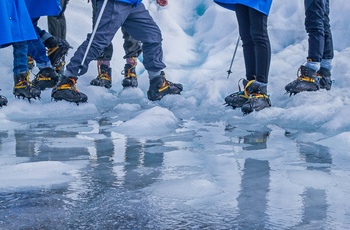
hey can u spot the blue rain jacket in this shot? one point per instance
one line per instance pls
(132, 2)
(38, 8)
(15, 22)
(263, 6)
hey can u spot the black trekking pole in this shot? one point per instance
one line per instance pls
(94, 31)
(233, 58)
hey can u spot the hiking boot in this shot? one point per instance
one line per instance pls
(237, 99)
(46, 78)
(130, 77)
(31, 63)
(307, 81)
(159, 87)
(24, 88)
(325, 78)
(56, 51)
(258, 98)
(257, 102)
(104, 78)
(3, 101)
(66, 90)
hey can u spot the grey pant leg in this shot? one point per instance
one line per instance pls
(113, 17)
(132, 47)
(57, 24)
(141, 26)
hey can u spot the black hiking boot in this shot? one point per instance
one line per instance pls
(3, 101)
(258, 98)
(66, 90)
(325, 78)
(130, 77)
(307, 81)
(46, 78)
(237, 99)
(24, 88)
(57, 49)
(104, 78)
(159, 87)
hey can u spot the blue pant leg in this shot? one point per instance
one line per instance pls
(20, 58)
(314, 25)
(36, 48)
(141, 26)
(37, 51)
(328, 52)
(113, 17)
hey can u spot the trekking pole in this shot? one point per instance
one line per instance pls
(94, 31)
(233, 58)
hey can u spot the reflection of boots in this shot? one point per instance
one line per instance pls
(256, 140)
(66, 90)
(307, 81)
(160, 86)
(24, 88)
(104, 78)
(46, 78)
(130, 77)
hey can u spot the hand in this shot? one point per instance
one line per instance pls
(162, 2)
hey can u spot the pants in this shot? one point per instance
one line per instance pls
(57, 24)
(37, 50)
(20, 59)
(256, 43)
(132, 47)
(136, 21)
(317, 25)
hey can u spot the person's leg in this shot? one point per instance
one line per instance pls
(57, 24)
(104, 76)
(328, 51)
(243, 19)
(262, 48)
(314, 26)
(20, 51)
(132, 49)
(37, 50)
(141, 26)
(22, 85)
(308, 79)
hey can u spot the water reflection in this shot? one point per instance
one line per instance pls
(252, 199)
(255, 140)
(121, 168)
(3, 135)
(317, 157)
(43, 143)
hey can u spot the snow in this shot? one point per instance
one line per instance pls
(198, 148)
